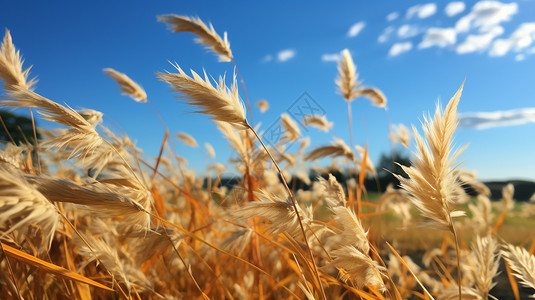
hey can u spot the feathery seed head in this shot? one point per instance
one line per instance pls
(221, 102)
(127, 85)
(11, 66)
(347, 80)
(207, 35)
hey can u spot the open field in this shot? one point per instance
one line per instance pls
(85, 215)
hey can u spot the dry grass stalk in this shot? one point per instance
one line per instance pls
(210, 150)
(23, 205)
(187, 139)
(92, 116)
(486, 258)
(400, 134)
(336, 149)
(292, 131)
(432, 183)
(82, 138)
(222, 103)
(207, 35)
(319, 122)
(522, 263)
(98, 198)
(376, 96)
(263, 105)
(507, 194)
(347, 80)
(127, 85)
(11, 66)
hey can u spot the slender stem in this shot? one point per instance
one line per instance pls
(389, 133)
(350, 125)
(458, 258)
(294, 203)
(10, 271)
(7, 131)
(452, 229)
(35, 141)
(242, 82)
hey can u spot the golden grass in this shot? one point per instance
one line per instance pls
(99, 220)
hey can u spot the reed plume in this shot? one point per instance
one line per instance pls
(292, 131)
(81, 137)
(210, 150)
(319, 122)
(221, 102)
(522, 263)
(207, 34)
(432, 183)
(263, 105)
(347, 80)
(187, 139)
(375, 95)
(400, 134)
(127, 85)
(11, 66)
(23, 205)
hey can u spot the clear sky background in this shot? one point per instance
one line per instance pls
(416, 52)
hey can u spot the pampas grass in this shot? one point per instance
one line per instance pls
(221, 102)
(522, 263)
(187, 139)
(319, 122)
(11, 66)
(263, 105)
(127, 85)
(152, 228)
(207, 34)
(431, 183)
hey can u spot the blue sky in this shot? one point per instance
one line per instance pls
(413, 51)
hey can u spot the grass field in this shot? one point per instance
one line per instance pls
(85, 215)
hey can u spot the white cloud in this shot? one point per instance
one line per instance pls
(407, 31)
(454, 8)
(392, 16)
(285, 55)
(480, 42)
(483, 120)
(520, 57)
(486, 14)
(356, 29)
(399, 48)
(386, 34)
(331, 57)
(267, 58)
(519, 40)
(422, 10)
(440, 37)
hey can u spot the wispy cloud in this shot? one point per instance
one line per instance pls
(519, 40)
(383, 38)
(408, 31)
(486, 14)
(454, 8)
(392, 16)
(331, 57)
(440, 37)
(422, 10)
(479, 42)
(356, 28)
(267, 58)
(286, 55)
(399, 48)
(483, 120)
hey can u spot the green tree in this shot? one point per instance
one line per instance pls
(19, 127)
